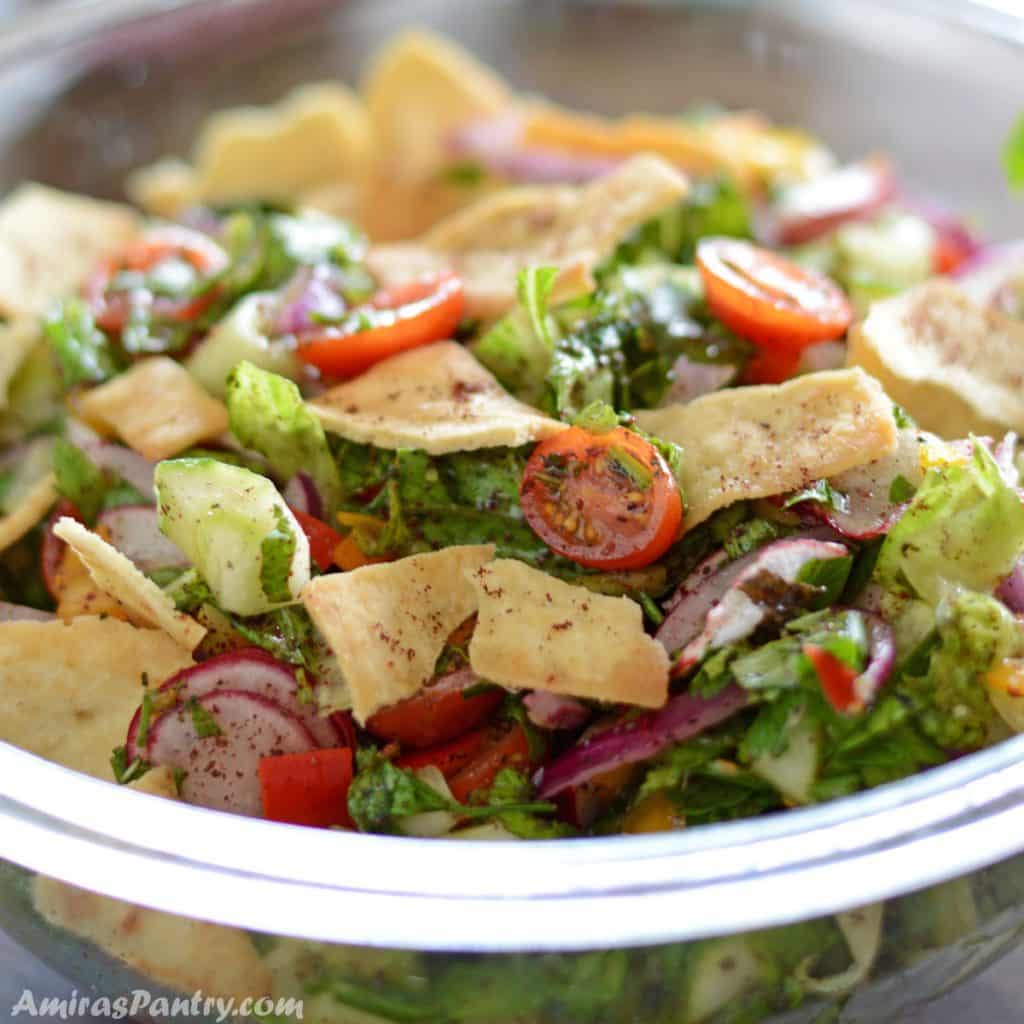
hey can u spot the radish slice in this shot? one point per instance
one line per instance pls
(251, 671)
(872, 512)
(221, 772)
(639, 739)
(22, 613)
(133, 530)
(737, 615)
(808, 210)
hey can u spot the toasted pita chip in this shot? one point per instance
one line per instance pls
(316, 136)
(437, 398)
(32, 507)
(68, 690)
(156, 408)
(166, 188)
(387, 624)
(117, 576)
(17, 339)
(420, 89)
(535, 632)
(955, 366)
(754, 442)
(181, 953)
(50, 240)
(574, 228)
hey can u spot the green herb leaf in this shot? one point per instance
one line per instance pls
(901, 490)
(277, 551)
(829, 575)
(124, 772)
(597, 418)
(203, 722)
(903, 421)
(822, 492)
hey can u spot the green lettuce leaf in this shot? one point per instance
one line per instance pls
(1013, 155)
(266, 413)
(965, 527)
(519, 348)
(277, 552)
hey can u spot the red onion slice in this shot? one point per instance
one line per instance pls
(555, 711)
(309, 292)
(301, 493)
(639, 739)
(135, 532)
(688, 608)
(737, 615)
(22, 613)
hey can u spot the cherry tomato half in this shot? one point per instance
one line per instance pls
(769, 367)
(395, 320)
(769, 300)
(434, 715)
(608, 501)
(814, 208)
(113, 303)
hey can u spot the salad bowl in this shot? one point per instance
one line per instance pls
(914, 887)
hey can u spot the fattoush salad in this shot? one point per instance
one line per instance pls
(438, 461)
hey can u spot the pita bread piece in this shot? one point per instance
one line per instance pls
(68, 690)
(955, 366)
(755, 442)
(573, 228)
(388, 624)
(117, 576)
(437, 398)
(30, 510)
(50, 241)
(156, 408)
(535, 632)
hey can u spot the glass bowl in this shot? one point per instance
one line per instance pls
(733, 922)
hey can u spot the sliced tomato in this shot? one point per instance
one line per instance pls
(770, 367)
(112, 306)
(449, 758)
(608, 501)
(769, 300)
(322, 538)
(508, 749)
(396, 319)
(814, 208)
(838, 680)
(434, 715)
(310, 788)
